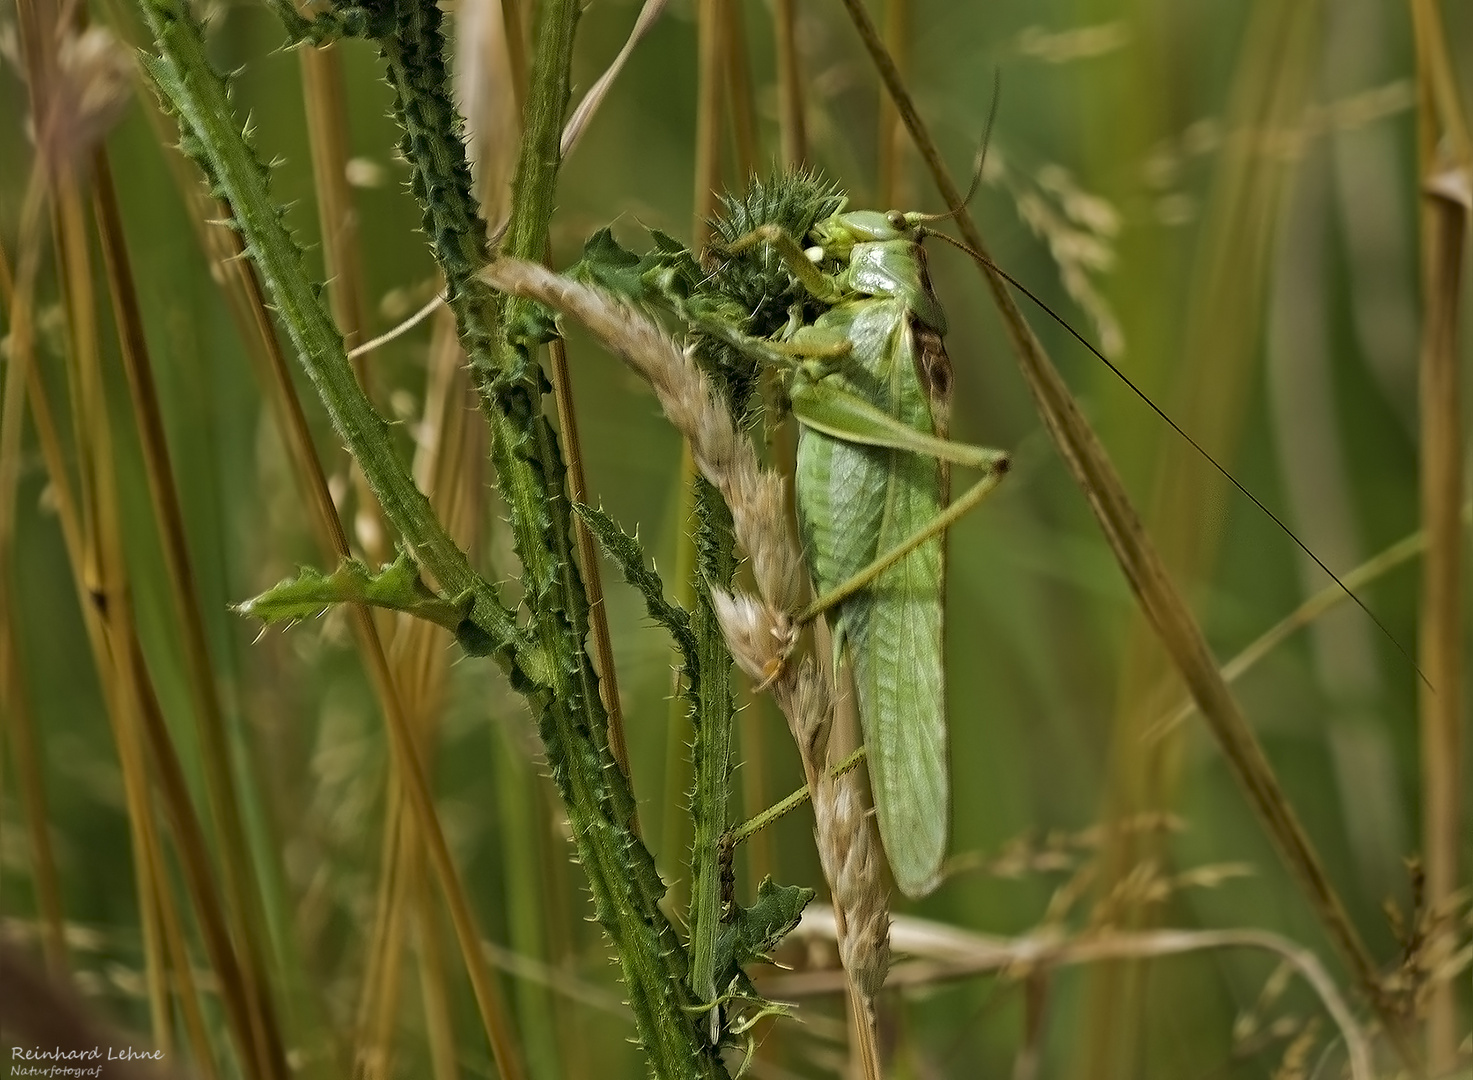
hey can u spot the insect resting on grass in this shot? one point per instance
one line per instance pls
(853, 322)
(855, 327)
(871, 390)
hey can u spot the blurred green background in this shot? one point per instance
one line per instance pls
(1222, 194)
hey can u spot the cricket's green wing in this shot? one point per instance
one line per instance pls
(857, 501)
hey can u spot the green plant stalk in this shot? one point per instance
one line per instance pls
(678, 774)
(709, 712)
(140, 736)
(17, 722)
(523, 825)
(524, 450)
(548, 665)
(711, 747)
(240, 869)
(210, 135)
(711, 719)
(740, 834)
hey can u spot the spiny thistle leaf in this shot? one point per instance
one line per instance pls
(748, 935)
(610, 265)
(396, 587)
(629, 554)
(752, 295)
(752, 933)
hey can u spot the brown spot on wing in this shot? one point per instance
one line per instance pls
(933, 368)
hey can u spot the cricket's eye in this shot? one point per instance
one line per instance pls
(897, 220)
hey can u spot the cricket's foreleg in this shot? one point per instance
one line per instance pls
(821, 285)
(992, 476)
(814, 352)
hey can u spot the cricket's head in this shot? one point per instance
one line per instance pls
(835, 236)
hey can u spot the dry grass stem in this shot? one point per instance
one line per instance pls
(584, 112)
(1264, 225)
(939, 952)
(1445, 160)
(1163, 605)
(143, 741)
(17, 296)
(1445, 154)
(400, 330)
(792, 122)
(324, 98)
(709, 133)
(280, 393)
(603, 645)
(890, 137)
(1442, 635)
(1327, 599)
(242, 899)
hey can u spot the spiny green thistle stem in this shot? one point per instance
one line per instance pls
(735, 379)
(547, 663)
(212, 135)
(711, 747)
(626, 888)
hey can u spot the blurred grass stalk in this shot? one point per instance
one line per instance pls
(98, 561)
(1445, 169)
(1273, 102)
(406, 698)
(21, 732)
(95, 544)
(1270, 86)
(1164, 608)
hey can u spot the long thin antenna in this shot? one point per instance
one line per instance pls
(980, 160)
(1102, 358)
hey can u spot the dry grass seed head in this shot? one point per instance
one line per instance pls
(93, 82)
(846, 845)
(750, 630)
(811, 709)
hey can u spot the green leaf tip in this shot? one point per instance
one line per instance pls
(752, 933)
(397, 587)
(628, 553)
(747, 935)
